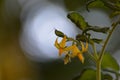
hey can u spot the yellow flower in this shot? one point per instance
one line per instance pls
(62, 46)
(73, 49)
(78, 53)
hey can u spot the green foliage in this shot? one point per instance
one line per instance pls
(97, 29)
(95, 4)
(84, 38)
(78, 20)
(59, 33)
(80, 37)
(111, 4)
(109, 62)
(90, 74)
(97, 40)
(87, 74)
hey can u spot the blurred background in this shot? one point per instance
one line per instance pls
(27, 38)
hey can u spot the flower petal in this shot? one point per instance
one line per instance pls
(80, 56)
(63, 42)
(61, 51)
(56, 44)
(75, 51)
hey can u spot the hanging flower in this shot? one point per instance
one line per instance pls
(62, 46)
(70, 51)
(79, 53)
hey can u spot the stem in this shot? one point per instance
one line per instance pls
(98, 64)
(71, 39)
(98, 71)
(107, 40)
(95, 52)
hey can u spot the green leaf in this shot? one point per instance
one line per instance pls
(97, 29)
(97, 40)
(76, 18)
(95, 3)
(87, 74)
(59, 33)
(84, 38)
(90, 74)
(80, 37)
(109, 62)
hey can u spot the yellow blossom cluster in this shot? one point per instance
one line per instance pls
(70, 51)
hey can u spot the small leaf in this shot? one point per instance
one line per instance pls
(109, 62)
(95, 3)
(97, 29)
(59, 33)
(97, 40)
(82, 38)
(76, 18)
